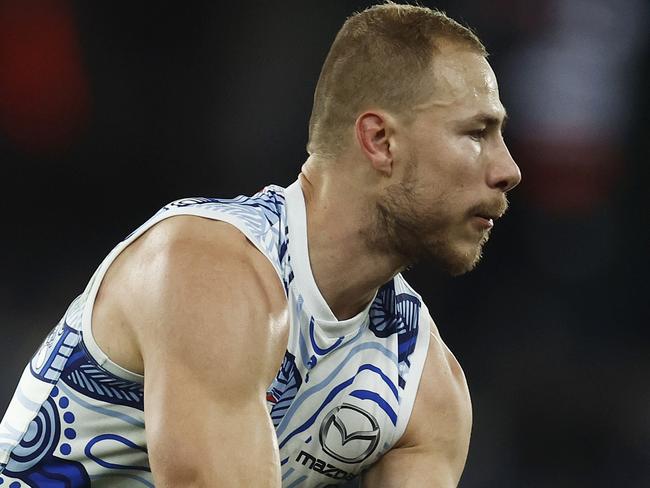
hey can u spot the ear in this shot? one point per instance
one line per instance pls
(373, 132)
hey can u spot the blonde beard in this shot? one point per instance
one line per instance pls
(400, 222)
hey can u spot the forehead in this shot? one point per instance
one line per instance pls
(464, 85)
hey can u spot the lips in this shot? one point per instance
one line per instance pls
(490, 213)
(484, 221)
(488, 216)
(493, 213)
(484, 215)
(485, 218)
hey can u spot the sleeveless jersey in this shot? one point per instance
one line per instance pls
(342, 396)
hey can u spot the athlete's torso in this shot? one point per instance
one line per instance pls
(341, 399)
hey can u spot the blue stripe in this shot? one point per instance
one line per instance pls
(67, 330)
(335, 391)
(122, 475)
(287, 474)
(284, 461)
(117, 438)
(386, 379)
(317, 349)
(406, 345)
(109, 413)
(275, 411)
(84, 382)
(371, 395)
(304, 354)
(297, 482)
(312, 419)
(299, 400)
(283, 249)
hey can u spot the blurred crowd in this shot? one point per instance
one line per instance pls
(109, 110)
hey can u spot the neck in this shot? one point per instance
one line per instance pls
(339, 216)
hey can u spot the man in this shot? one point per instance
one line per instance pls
(271, 340)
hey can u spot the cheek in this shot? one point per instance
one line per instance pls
(465, 179)
(454, 160)
(466, 160)
(447, 172)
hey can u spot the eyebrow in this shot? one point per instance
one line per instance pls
(490, 119)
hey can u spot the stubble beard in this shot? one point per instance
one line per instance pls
(403, 228)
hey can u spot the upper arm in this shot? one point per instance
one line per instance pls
(433, 450)
(210, 333)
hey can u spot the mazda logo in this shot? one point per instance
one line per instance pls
(349, 446)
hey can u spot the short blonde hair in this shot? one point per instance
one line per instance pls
(379, 58)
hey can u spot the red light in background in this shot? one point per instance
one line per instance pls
(44, 94)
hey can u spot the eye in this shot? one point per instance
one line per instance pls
(478, 134)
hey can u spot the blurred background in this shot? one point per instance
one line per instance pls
(108, 110)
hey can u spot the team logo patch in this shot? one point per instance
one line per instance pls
(50, 358)
(344, 444)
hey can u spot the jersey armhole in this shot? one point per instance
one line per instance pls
(89, 341)
(417, 360)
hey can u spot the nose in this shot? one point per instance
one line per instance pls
(503, 173)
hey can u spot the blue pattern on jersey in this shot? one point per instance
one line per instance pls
(262, 215)
(305, 394)
(333, 391)
(39, 441)
(106, 411)
(318, 350)
(284, 388)
(88, 451)
(84, 375)
(246, 208)
(33, 461)
(369, 366)
(48, 360)
(391, 385)
(58, 473)
(383, 404)
(331, 396)
(399, 314)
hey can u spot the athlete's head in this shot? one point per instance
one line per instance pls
(406, 96)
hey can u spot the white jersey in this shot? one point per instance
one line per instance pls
(342, 397)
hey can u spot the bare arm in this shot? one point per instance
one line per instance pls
(209, 314)
(433, 450)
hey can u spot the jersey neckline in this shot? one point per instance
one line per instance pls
(304, 280)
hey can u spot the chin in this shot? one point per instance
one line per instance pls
(462, 266)
(466, 266)
(456, 261)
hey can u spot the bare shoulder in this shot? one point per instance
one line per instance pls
(433, 449)
(207, 315)
(181, 280)
(442, 413)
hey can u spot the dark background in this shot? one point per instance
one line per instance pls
(108, 110)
